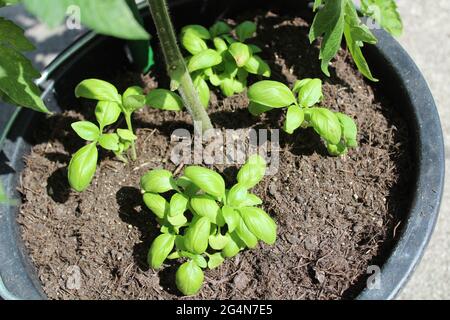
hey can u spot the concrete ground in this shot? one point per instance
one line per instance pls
(427, 39)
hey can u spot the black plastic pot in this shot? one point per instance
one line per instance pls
(401, 80)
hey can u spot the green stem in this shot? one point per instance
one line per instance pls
(133, 145)
(176, 66)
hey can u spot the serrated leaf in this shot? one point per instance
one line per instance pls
(205, 59)
(164, 100)
(157, 204)
(96, 89)
(109, 141)
(107, 113)
(326, 124)
(82, 167)
(86, 130)
(160, 249)
(245, 30)
(208, 180)
(294, 119)
(385, 13)
(252, 172)
(272, 94)
(260, 224)
(111, 17)
(329, 22)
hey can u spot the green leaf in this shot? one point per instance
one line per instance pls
(200, 260)
(219, 28)
(220, 45)
(86, 130)
(126, 135)
(310, 93)
(229, 39)
(189, 278)
(246, 235)
(294, 119)
(107, 113)
(197, 235)
(256, 65)
(110, 17)
(189, 188)
(96, 89)
(251, 200)
(157, 204)
(17, 76)
(231, 217)
(205, 59)
(299, 84)
(329, 22)
(326, 124)
(109, 141)
(337, 150)
(227, 87)
(272, 94)
(208, 180)
(82, 167)
(257, 109)
(134, 102)
(205, 206)
(355, 35)
(157, 181)
(241, 53)
(255, 49)
(215, 260)
(13, 36)
(165, 100)
(218, 241)
(236, 195)
(178, 204)
(233, 246)
(385, 13)
(192, 43)
(349, 130)
(245, 30)
(197, 30)
(252, 172)
(317, 4)
(177, 221)
(133, 91)
(160, 249)
(260, 224)
(203, 90)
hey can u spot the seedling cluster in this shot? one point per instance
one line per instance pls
(222, 57)
(203, 222)
(338, 130)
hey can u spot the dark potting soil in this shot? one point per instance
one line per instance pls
(335, 216)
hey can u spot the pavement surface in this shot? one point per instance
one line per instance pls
(426, 38)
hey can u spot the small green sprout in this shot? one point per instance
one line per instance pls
(221, 223)
(337, 129)
(110, 106)
(221, 58)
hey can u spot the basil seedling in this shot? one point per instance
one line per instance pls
(221, 222)
(338, 130)
(222, 59)
(109, 107)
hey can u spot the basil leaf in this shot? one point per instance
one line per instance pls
(257, 109)
(205, 206)
(178, 204)
(157, 181)
(272, 94)
(160, 249)
(236, 195)
(203, 90)
(251, 200)
(126, 135)
(241, 53)
(233, 246)
(245, 30)
(252, 172)
(82, 167)
(349, 130)
(86, 130)
(192, 43)
(326, 124)
(134, 102)
(218, 241)
(260, 224)
(256, 65)
(246, 235)
(208, 180)
(220, 45)
(294, 119)
(310, 93)
(189, 278)
(197, 30)
(215, 260)
(231, 217)
(385, 13)
(197, 234)
(109, 141)
(164, 100)
(205, 59)
(96, 89)
(219, 28)
(157, 204)
(107, 113)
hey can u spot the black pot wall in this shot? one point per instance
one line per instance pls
(400, 80)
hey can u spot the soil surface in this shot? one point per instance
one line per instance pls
(335, 216)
